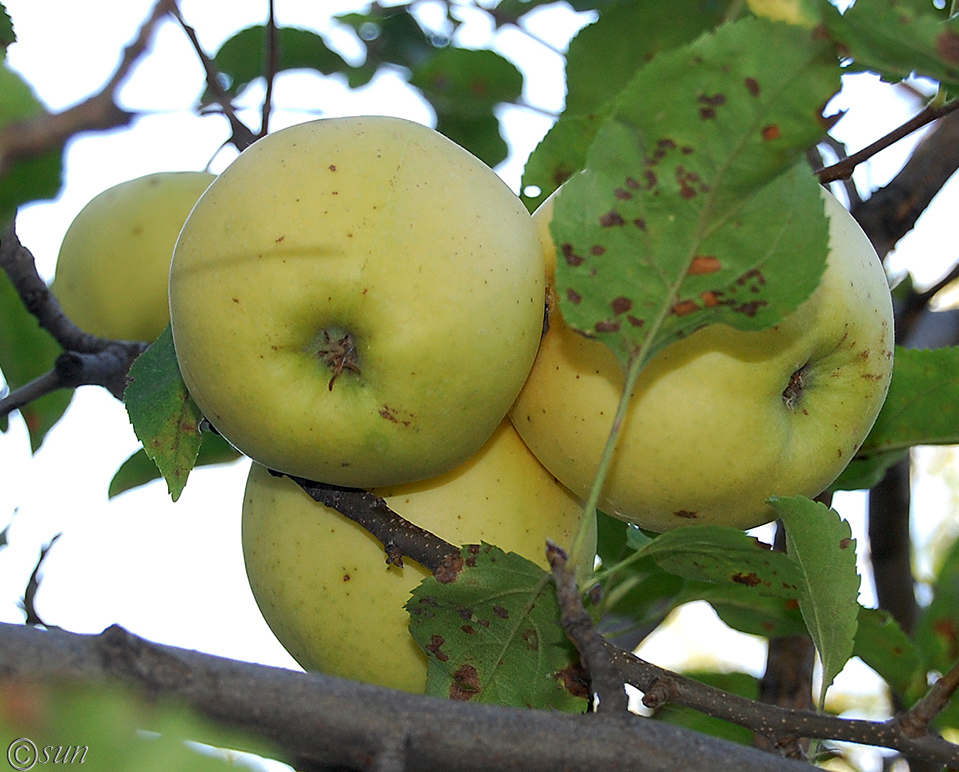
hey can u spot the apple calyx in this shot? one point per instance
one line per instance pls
(337, 350)
(792, 394)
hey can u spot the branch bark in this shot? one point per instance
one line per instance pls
(325, 723)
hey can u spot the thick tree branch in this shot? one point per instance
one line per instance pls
(323, 722)
(49, 131)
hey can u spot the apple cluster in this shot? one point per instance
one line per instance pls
(360, 302)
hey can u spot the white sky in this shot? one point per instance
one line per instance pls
(173, 572)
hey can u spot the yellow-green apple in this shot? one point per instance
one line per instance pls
(357, 301)
(322, 581)
(114, 263)
(724, 419)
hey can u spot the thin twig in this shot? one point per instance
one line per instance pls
(917, 719)
(271, 65)
(844, 168)
(399, 537)
(242, 137)
(605, 680)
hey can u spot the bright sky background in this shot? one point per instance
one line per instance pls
(173, 572)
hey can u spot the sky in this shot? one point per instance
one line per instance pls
(173, 572)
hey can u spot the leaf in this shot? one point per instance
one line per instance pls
(34, 177)
(139, 469)
(560, 154)
(883, 645)
(937, 629)
(241, 57)
(821, 545)
(625, 37)
(725, 556)
(920, 408)
(493, 635)
(899, 38)
(7, 35)
(27, 351)
(480, 135)
(164, 416)
(692, 208)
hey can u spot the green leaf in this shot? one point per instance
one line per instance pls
(867, 472)
(560, 154)
(139, 469)
(27, 351)
(493, 635)
(725, 556)
(937, 629)
(468, 82)
(32, 178)
(164, 416)
(7, 35)
(899, 38)
(392, 37)
(480, 135)
(920, 408)
(241, 57)
(883, 645)
(625, 37)
(820, 543)
(749, 613)
(693, 208)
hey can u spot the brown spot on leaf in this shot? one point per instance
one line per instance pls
(640, 223)
(501, 612)
(632, 183)
(622, 194)
(575, 680)
(531, 639)
(770, 132)
(466, 683)
(573, 296)
(612, 219)
(750, 579)
(947, 46)
(435, 647)
(710, 300)
(607, 326)
(752, 86)
(570, 256)
(449, 569)
(597, 249)
(621, 305)
(845, 543)
(703, 264)
(685, 307)
(468, 629)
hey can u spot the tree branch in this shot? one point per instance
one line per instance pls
(323, 722)
(49, 131)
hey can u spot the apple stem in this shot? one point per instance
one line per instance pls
(338, 352)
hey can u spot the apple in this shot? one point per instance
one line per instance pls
(722, 420)
(114, 262)
(322, 581)
(357, 301)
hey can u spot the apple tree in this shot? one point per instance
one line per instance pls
(707, 128)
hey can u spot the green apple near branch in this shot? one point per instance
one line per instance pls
(357, 301)
(322, 583)
(724, 419)
(114, 263)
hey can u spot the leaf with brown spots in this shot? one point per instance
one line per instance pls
(820, 543)
(696, 205)
(900, 38)
(719, 555)
(164, 416)
(501, 641)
